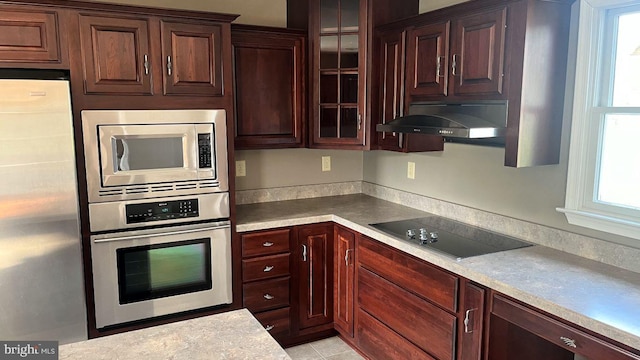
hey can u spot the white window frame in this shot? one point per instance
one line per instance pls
(588, 112)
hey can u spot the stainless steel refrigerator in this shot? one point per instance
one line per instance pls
(41, 276)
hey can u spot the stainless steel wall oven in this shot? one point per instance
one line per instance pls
(157, 185)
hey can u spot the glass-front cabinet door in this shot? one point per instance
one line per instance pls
(338, 84)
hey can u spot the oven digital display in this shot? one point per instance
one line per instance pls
(163, 210)
(156, 271)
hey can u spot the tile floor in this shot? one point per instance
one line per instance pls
(327, 349)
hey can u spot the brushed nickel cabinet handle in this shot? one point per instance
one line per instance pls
(454, 65)
(169, 66)
(146, 64)
(569, 342)
(346, 257)
(467, 320)
(269, 327)
(267, 244)
(268, 296)
(304, 252)
(439, 66)
(268, 268)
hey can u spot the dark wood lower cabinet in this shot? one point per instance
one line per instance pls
(390, 305)
(517, 331)
(344, 276)
(379, 342)
(313, 263)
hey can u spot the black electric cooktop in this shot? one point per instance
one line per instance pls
(450, 237)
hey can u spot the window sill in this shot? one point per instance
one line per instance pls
(602, 222)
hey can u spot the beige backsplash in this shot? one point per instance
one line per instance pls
(584, 246)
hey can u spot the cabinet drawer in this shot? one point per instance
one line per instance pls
(410, 273)
(556, 332)
(265, 242)
(265, 267)
(380, 342)
(422, 323)
(276, 322)
(265, 295)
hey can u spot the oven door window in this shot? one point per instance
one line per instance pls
(156, 271)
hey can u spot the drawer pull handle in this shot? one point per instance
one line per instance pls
(268, 268)
(269, 327)
(267, 244)
(269, 296)
(304, 252)
(467, 321)
(569, 342)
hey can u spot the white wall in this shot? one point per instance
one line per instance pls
(255, 12)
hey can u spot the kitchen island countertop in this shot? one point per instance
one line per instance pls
(230, 335)
(597, 296)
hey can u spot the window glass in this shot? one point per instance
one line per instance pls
(626, 84)
(619, 172)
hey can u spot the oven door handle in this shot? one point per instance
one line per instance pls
(141, 236)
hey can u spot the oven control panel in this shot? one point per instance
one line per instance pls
(161, 210)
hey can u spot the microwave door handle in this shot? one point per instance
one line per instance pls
(133, 237)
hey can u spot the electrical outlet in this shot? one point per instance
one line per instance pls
(241, 168)
(326, 163)
(411, 170)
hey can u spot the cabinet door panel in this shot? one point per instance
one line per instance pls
(269, 85)
(344, 275)
(192, 59)
(427, 60)
(29, 36)
(115, 53)
(315, 256)
(472, 324)
(477, 59)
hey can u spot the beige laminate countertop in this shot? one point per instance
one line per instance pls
(596, 296)
(231, 335)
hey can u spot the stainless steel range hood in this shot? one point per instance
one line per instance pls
(469, 120)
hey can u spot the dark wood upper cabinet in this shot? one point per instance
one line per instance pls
(390, 83)
(31, 37)
(269, 85)
(341, 40)
(116, 54)
(192, 59)
(428, 59)
(343, 290)
(461, 57)
(492, 50)
(314, 265)
(477, 53)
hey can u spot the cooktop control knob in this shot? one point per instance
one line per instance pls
(411, 234)
(433, 236)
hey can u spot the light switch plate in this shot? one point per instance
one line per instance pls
(241, 168)
(411, 170)
(326, 163)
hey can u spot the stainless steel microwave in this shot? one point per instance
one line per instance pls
(138, 154)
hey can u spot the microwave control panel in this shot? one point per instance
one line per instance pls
(161, 210)
(204, 151)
